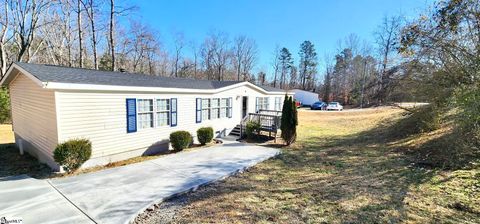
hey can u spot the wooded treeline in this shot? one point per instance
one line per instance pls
(106, 35)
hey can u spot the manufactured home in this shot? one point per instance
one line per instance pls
(306, 98)
(124, 115)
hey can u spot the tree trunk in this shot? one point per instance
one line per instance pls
(94, 34)
(238, 70)
(111, 33)
(80, 35)
(3, 52)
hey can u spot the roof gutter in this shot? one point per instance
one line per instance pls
(93, 87)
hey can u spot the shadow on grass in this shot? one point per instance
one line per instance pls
(12, 163)
(444, 149)
(358, 178)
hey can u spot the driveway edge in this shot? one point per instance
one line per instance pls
(192, 189)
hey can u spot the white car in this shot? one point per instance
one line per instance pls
(334, 106)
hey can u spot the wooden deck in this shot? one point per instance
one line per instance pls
(269, 121)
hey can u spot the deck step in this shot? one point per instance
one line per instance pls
(235, 131)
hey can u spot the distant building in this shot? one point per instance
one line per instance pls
(306, 98)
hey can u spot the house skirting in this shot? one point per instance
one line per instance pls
(26, 147)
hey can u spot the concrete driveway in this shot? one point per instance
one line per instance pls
(117, 195)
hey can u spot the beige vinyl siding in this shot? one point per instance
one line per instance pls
(101, 117)
(33, 113)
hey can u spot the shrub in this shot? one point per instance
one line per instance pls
(205, 135)
(180, 140)
(418, 120)
(4, 106)
(73, 153)
(469, 104)
(252, 129)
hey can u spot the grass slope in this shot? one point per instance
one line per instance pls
(343, 169)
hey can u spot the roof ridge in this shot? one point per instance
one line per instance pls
(73, 75)
(126, 73)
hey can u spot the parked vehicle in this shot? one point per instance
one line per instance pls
(334, 106)
(298, 104)
(318, 106)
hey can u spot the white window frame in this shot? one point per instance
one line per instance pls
(278, 103)
(154, 112)
(215, 108)
(152, 122)
(221, 110)
(207, 109)
(263, 103)
(163, 111)
(224, 107)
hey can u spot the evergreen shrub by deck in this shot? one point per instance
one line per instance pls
(252, 129)
(289, 121)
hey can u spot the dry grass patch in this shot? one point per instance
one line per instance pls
(133, 160)
(6, 134)
(343, 169)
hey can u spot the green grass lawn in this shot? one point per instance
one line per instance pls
(342, 169)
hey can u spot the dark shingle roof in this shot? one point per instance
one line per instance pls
(60, 74)
(271, 89)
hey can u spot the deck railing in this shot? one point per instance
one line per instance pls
(270, 112)
(266, 121)
(269, 120)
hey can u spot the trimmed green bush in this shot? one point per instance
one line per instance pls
(180, 140)
(252, 129)
(205, 135)
(73, 153)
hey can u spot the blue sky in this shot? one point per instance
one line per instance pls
(272, 22)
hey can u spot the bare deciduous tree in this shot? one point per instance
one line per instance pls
(387, 38)
(111, 33)
(218, 53)
(4, 36)
(195, 54)
(275, 64)
(26, 17)
(179, 45)
(79, 10)
(90, 9)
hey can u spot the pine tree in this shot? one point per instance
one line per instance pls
(295, 115)
(286, 63)
(308, 65)
(327, 87)
(285, 115)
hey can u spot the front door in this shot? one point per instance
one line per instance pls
(244, 106)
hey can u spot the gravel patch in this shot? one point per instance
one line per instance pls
(164, 212)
